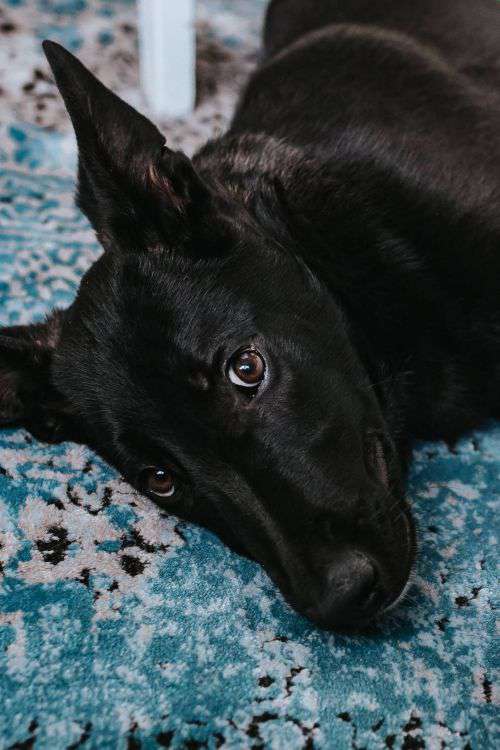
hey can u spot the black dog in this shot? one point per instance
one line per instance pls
(273, 323)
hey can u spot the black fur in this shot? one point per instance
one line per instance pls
(348, 227)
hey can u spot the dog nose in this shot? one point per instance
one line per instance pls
(351, 592)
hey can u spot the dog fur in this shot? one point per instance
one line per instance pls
(347, 227)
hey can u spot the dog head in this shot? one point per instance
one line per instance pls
(204, 360)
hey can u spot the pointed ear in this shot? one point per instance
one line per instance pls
(132, 188)
(27, 397)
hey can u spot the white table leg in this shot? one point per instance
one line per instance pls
(167, 55)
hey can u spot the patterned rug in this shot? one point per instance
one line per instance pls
(121, 627)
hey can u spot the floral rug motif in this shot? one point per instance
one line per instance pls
(122, 627)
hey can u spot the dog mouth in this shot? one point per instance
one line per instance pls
(380, 461)
(411, 543)
(377, 457)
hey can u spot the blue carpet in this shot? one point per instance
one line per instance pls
(121, 627)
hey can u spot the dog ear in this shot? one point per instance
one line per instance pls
(132, 188)
(27, 397)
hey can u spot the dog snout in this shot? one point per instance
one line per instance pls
(351, 593)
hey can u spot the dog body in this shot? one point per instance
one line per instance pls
(274, 323)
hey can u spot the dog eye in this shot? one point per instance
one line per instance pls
(246, 368)
(158, 481)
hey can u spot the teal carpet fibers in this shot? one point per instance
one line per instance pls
(121, 627)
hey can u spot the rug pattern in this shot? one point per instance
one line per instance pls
(122, 627)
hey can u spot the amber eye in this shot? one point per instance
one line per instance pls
(158, 481)
(246, 368)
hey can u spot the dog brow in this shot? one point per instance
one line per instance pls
(199, 381)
